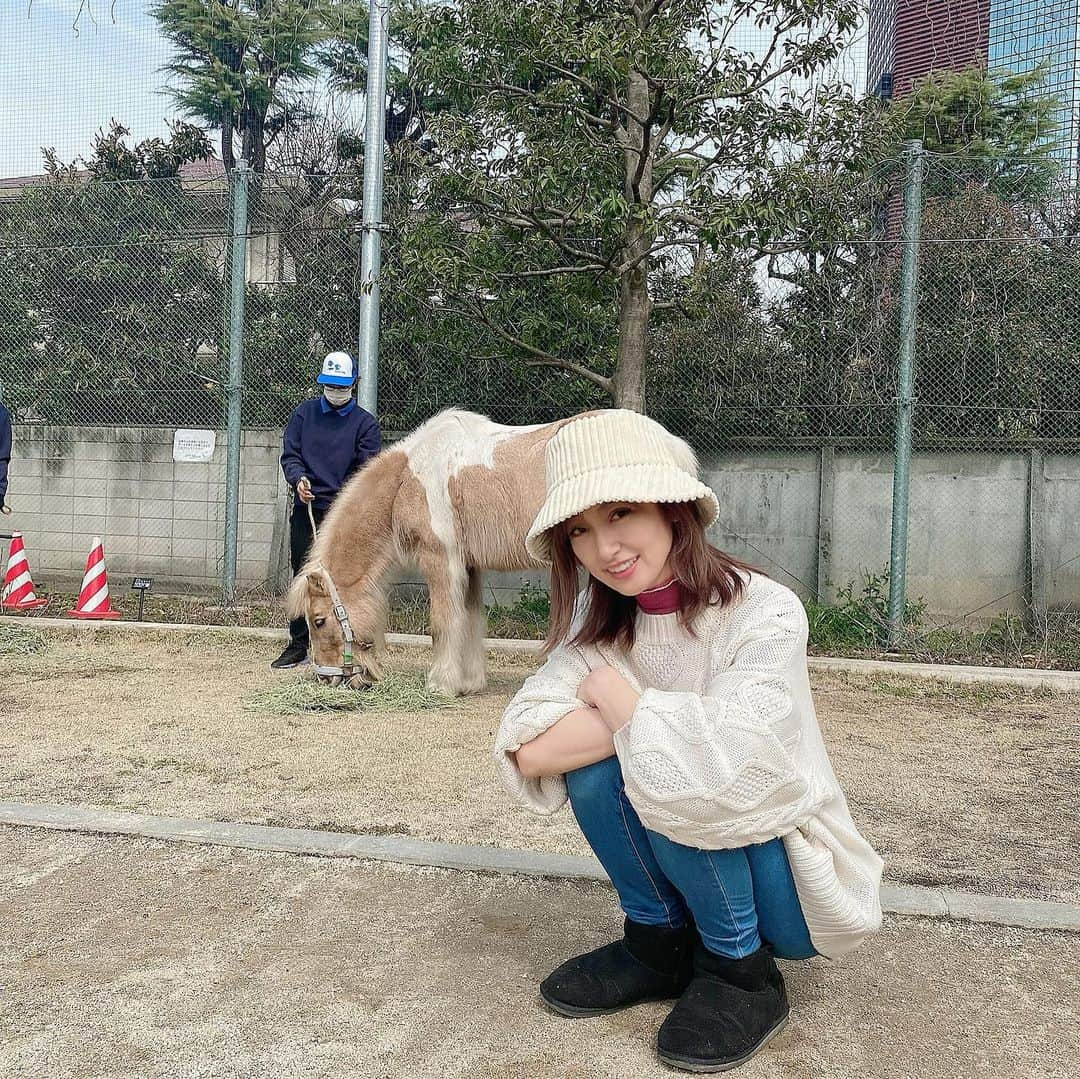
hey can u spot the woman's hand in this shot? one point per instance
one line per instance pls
(610, 694)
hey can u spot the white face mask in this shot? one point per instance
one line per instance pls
(337, 395)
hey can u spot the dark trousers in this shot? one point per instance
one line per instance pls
(300, 539)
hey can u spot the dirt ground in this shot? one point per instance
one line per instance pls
(966, 787)
(124, 958)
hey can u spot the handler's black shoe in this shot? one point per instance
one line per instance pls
(295, 655)
(728, 1012)
(649, 963)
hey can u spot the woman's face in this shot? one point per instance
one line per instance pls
(624, 545)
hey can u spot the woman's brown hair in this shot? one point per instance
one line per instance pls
(706, 577)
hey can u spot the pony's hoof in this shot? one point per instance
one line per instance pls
(443, 688)
(447, 688)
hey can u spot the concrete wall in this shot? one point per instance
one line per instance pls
(1061, 509)
(967, 535)
(769, 512)
(156, 517)
(815, 520)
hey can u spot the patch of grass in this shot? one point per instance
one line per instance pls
(1011, 641)
(190, 766)
(860, 616)
(978, 694)
(254, 608)
(409, 613)
(16, 641)
(397, 692)
(904, 690)
(524, 619)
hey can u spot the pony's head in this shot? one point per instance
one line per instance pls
(347, 639)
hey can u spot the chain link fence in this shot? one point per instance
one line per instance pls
(782, 370)
(996, 417)
(110, 337)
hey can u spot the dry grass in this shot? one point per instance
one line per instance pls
(971, 787)
(399, 691)
(17, 641)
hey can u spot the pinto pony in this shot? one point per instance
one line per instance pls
(455, 497)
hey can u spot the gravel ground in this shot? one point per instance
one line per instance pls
(965, 787)
(124, 957)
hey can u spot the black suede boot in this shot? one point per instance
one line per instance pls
(728, 1012)
(649, 963)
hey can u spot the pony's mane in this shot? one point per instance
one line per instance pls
(367, 498)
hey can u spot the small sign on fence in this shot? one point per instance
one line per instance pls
(193, 447)
(142, 585)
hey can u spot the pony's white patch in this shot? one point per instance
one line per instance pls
(436, 451)
(441, 448)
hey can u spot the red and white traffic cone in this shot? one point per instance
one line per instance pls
(18, 593)
(94, 595)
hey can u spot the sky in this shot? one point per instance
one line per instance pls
(59, 84)
(62, 78)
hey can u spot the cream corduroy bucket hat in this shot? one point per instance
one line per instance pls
(615, 456)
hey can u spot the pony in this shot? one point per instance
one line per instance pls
(454, 498)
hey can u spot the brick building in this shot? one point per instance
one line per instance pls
(909, 39)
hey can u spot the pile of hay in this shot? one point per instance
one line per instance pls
(397, 692)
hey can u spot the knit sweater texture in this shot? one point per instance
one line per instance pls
(723, 749)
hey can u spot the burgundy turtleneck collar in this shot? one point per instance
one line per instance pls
(663, 600)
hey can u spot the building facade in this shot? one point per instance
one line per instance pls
(910, 39)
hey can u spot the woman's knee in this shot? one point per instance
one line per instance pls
(595, 783)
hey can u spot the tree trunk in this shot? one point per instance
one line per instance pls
(635, 304)
(258, 143)
(254, 147)
(228, 158)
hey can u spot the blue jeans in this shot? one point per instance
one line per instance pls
(738, 898)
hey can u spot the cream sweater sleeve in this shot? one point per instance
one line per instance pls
(541, 702)
(717, 769)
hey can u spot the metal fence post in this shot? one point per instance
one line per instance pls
(371, 248)
(238, 181)
(826, 510)
(1036, 541)
(905, 389)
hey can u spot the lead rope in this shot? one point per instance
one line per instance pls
(339, 612)
(339, 608)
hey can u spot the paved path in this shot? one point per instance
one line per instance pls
(124, 957)
(895, 898)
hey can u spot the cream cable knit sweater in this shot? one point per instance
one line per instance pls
(723, 749)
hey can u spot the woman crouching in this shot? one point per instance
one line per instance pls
(674, 710)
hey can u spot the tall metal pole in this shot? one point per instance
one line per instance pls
(237, 281)
(905, 389)
(371, 250)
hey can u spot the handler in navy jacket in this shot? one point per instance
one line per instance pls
(326, 440)
(5, 452)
